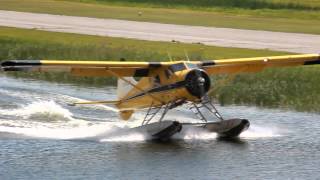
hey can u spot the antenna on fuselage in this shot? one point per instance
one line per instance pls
(169, 56)
(186, 54)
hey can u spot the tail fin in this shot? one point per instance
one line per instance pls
(124, 87)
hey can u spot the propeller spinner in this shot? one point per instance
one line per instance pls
(197, 82)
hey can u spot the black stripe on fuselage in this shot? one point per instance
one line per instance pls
(208, 63)
(159, 89)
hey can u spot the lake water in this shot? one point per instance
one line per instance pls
(41, 137)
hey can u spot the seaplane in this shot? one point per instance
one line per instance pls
(158, 87)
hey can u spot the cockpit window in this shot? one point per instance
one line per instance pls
(192, 66)
(177, 67)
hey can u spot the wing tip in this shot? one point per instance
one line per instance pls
(12, 63)
(6, 65)
(315, 62)
(18, 65)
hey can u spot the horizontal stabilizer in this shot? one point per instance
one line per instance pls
(94, 102)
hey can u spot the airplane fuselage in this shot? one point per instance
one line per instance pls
(181, 81)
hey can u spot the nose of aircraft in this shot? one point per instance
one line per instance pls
(197, 82)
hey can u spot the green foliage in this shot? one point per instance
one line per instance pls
(296, 88)
(246, 4)
(34, 44)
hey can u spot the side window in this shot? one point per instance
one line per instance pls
(177, 67)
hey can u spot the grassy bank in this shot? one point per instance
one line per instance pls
(302, 17)
(289, 87)
(205, 4)
(296, 88)
(42, 44)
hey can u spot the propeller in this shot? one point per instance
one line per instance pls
(201, 85)
(197, 83)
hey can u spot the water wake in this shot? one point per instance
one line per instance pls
(129, 137)
(47, 119)
(42, 111)
(262, 132)
(254, 132)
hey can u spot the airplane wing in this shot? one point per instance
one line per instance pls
(256, 64)
(142, 69)
(84, 68)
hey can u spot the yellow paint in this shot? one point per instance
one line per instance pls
(125, 115)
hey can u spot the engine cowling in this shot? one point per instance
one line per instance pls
(197, 82)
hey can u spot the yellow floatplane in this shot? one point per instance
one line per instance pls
(163, 86)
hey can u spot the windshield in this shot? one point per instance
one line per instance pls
(192, 66)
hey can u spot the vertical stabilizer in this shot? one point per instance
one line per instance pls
(124, 87)
(122, 90)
